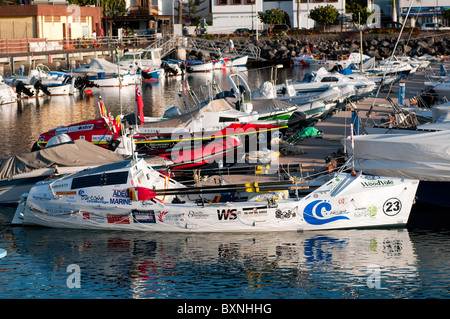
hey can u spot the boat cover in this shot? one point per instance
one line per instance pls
(261, 104)
(440, 118)
(423, 156)
(184, 120)
(77, 153)
(98, 66)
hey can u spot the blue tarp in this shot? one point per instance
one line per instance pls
(346, 71)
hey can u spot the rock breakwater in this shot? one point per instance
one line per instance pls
(380, 46)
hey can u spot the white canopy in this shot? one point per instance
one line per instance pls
(424, 156)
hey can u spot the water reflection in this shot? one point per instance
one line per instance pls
(155, 265)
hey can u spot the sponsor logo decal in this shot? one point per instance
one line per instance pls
(286, 214)
(164, 216)
(160, 216)
(84, 127)
(93, 217)
(319, 212)
(61, 130)
(117, 219)
(146, 217)
(378, 183)
(100, 138)
(197, 215)
(254, 212)
(120, 197)
(370, 212)
(91, 198)
(227, 214)
(66, 193)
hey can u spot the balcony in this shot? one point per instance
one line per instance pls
(138, 10)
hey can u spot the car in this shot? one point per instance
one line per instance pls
(277, 28)
(242, 31)
(150, 32)
(433, 26)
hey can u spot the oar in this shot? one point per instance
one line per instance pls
(143, 193)
(245, 187)
(250, 169)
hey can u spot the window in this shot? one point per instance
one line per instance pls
(227, 119)
(250, 1)
(222, 2)
(100, 180)
(236, 1)
(329, 79)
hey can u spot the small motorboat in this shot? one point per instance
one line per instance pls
(194, 66)
(239, 61)
(41, 81)
(106, 74)
(131, 195)
(7, 94)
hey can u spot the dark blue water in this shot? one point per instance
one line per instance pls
(66, 264)
(346, 264)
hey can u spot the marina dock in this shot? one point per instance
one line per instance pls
(316, 151)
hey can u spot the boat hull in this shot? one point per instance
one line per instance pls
(200, 67)
(7, 94)
(344, 202)
(101, 132)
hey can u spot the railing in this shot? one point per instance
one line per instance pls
(14, 46)
(167, 44)
(220, 47)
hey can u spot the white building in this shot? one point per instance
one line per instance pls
(228, 15)
(423, 11)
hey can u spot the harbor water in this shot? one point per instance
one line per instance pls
(41, 263)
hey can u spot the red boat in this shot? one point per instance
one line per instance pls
(103, 132)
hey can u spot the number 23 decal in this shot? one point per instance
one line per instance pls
(392, 206)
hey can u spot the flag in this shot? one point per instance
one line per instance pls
(102, 109)
(140, 193)
(139, 105)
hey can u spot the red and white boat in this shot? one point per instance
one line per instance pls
(305, 59)
(104, 131)
(185, 141)
(200, 66)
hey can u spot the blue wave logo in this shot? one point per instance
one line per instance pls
(315, 213)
